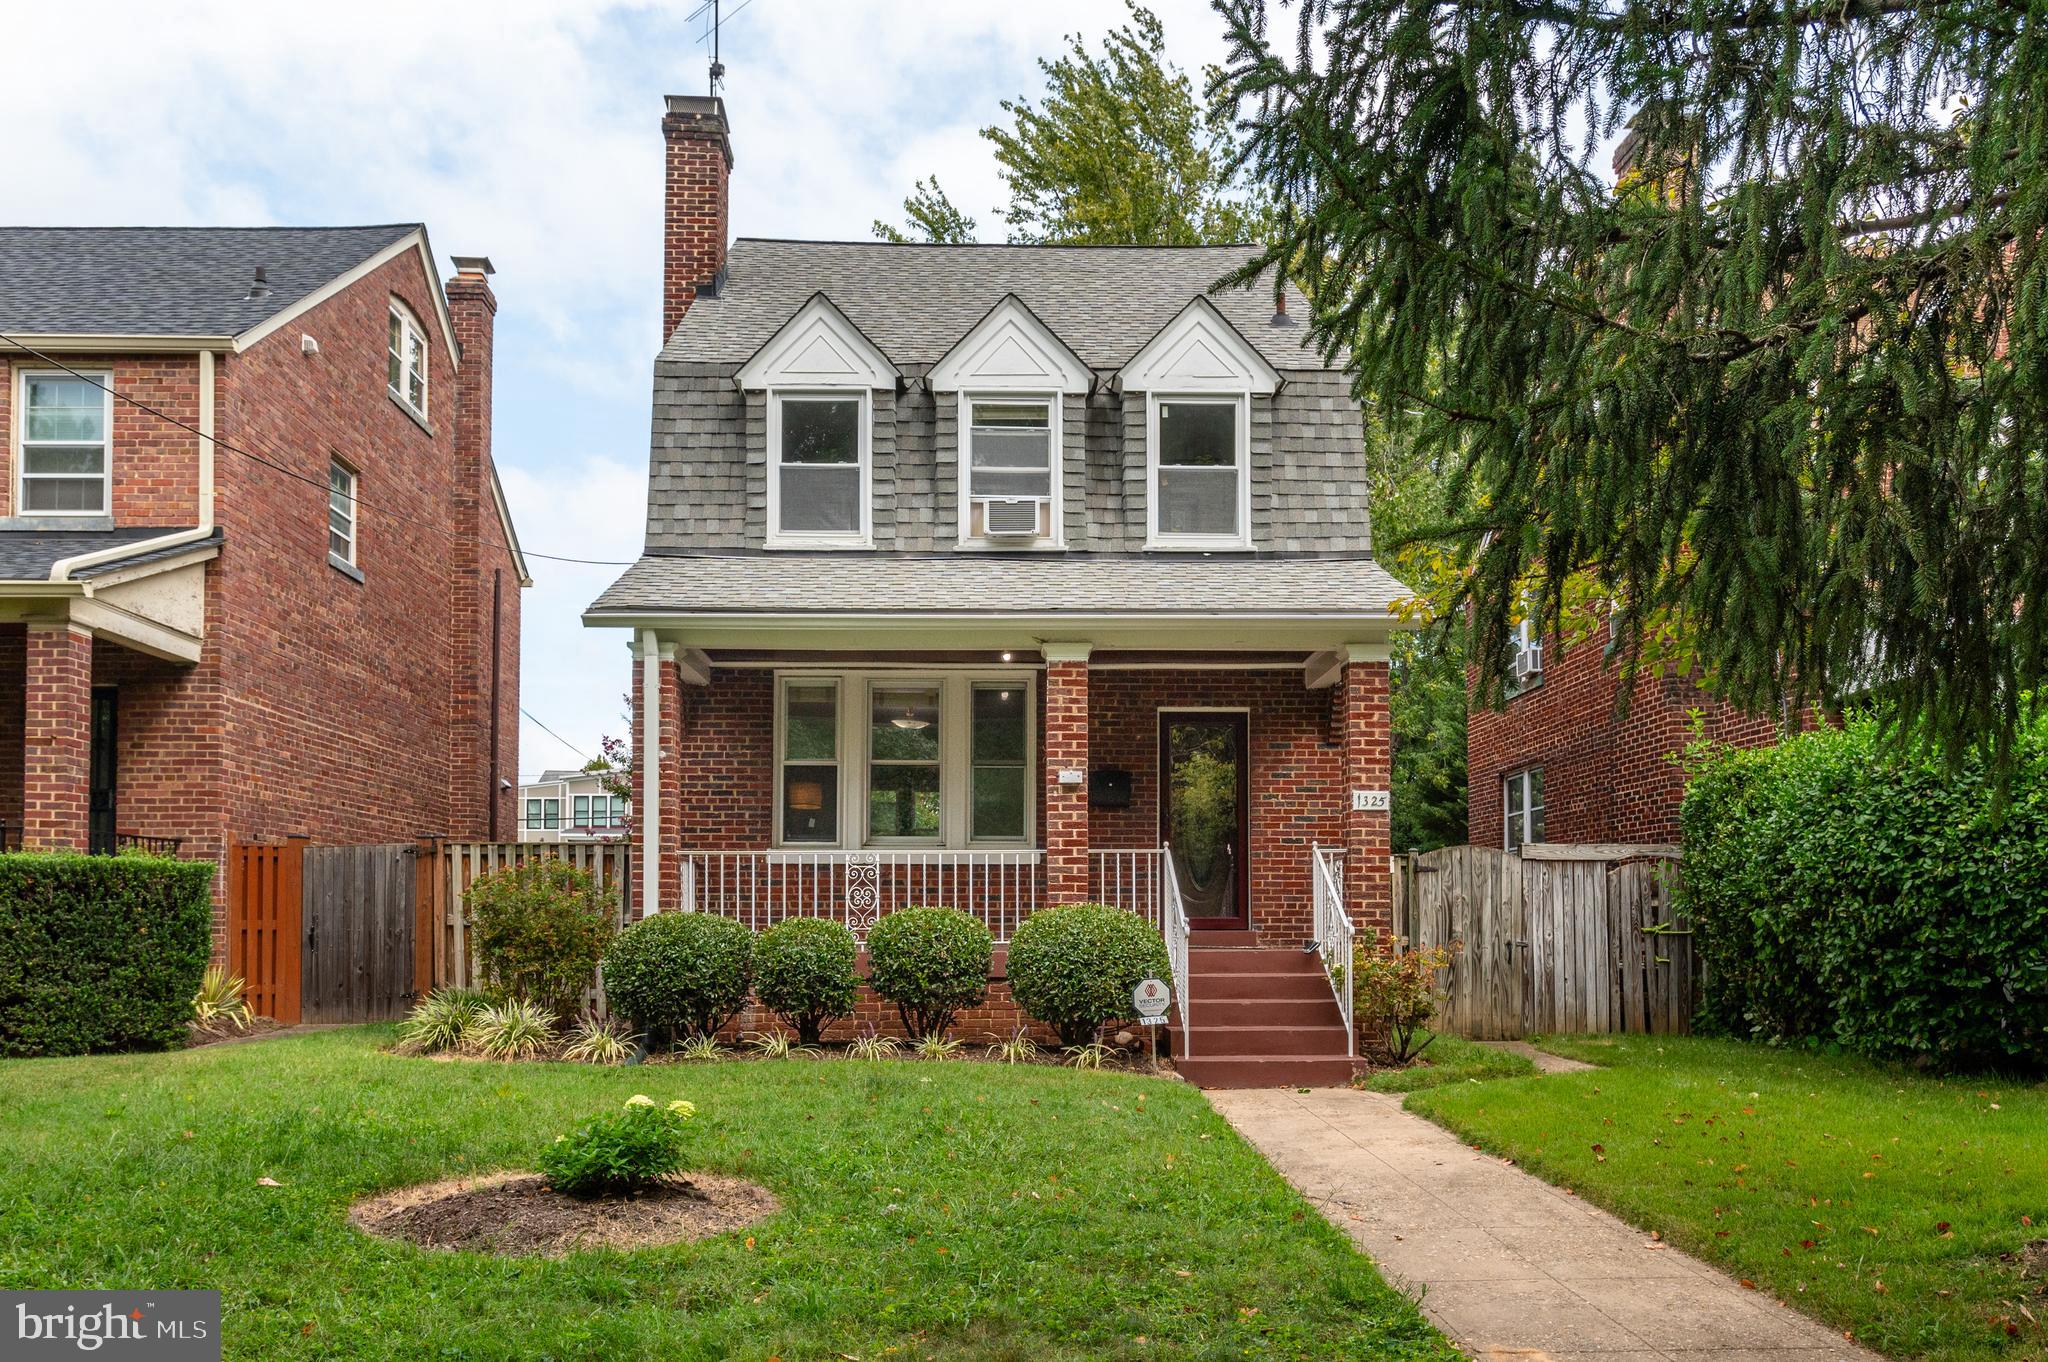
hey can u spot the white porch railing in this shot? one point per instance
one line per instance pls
(761, 888)
(1173, 925)
(1128, 879)
(1334, 935)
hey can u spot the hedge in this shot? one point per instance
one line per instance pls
(687, 972)
(931, 963)
(100, 953)
(1074, 967)
(1843, 892)
(805, 972)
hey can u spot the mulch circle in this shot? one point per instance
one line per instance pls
(517, 1214)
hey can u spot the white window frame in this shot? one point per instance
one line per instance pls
(1520, 777)
(838, 762)
(353, 495)
(956, 756)
(1056, 537)
(778, 538)
(412, 339)
(22, 443)
(1155, 538)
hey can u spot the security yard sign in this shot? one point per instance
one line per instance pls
(1150, 999)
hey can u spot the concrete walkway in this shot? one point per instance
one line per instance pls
(1506, 1264)
(1545, 1062)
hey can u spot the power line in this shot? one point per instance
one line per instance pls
(552, 734)
(271, 463)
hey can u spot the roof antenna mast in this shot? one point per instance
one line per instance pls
(717, 66)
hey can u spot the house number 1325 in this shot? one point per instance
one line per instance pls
(1371, 801)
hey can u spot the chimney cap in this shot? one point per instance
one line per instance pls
(473, 264)
(697, 106)
(699, 117)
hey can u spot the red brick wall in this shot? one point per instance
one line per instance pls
(1065, 739)
(170, 745)
(1297, 774)
(695, 210)
(338, 692)
(56, 738)
(155, 464)
(13, 718)
(1368, 833)
(1607, 777)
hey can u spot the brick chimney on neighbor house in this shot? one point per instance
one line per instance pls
(693, 210)
(479, 805)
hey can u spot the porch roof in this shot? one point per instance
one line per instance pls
(28, 555)
(998, 585)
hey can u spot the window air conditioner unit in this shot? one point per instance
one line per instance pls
(1528, 661)
(1010, 517)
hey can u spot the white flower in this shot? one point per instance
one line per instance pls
(639, 1099)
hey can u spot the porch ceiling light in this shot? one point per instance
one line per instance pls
(909, 720)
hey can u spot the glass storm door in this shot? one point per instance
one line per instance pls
(1204, 783)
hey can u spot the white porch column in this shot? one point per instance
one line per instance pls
(649, 652)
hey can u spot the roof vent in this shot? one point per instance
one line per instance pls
(259, 286)
(1280, 317)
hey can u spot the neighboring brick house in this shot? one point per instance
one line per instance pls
(205, 636)
(985, 575)
(1564, 763)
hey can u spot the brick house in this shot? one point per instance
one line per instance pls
(1564, 763)
(284, 598)
(1002, 577)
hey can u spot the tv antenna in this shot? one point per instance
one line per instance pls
(709, 37)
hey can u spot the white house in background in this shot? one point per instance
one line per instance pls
(570, 806)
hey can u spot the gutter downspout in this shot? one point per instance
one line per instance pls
(62, 569)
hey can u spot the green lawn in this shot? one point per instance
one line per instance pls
(1875, 1199)
(949, 1210)
(1450, 1059)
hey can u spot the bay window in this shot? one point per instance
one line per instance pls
(818, 484)
(1200, 487)
(65, 456)
(880, 759)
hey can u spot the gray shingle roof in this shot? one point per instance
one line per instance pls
(28, 555)
(165, 281)
(1023, 584)
(916, 301)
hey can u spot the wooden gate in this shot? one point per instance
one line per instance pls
(1561, 938)
(264, 896)
(359, 930)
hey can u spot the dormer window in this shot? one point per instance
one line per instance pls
(818, 490)
(1199, 478)
(819, 375)
(406, 361)
(1011, 453)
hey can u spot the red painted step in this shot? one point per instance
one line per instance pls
(1259, 961)
(1289, 987)
(1265, 1071)
(1302, 1008)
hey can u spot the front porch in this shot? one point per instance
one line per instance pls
(1234, 799)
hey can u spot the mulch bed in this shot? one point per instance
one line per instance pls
(199, 1035)
(517, 1214)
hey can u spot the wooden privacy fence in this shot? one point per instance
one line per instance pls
(1562, 938)
(358, 933)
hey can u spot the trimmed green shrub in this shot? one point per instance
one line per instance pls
(680, 971)
(1074, 967)
(1841, 891)
(100, 953)
(539, 929)
(930, 962)
(804, 973)
(620, 1152)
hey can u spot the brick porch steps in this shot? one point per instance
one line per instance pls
(1263, 1017)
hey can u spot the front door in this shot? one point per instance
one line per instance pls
(1204, 785)
(100, 810)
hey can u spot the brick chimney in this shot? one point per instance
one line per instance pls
(694, 203)
(481, 736)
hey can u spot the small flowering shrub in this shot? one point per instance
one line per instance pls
(1395, 993)
(620, 1152)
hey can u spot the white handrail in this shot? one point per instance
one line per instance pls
(1335, 936)
(761, 888)
(1173, 925)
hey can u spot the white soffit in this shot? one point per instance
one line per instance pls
(1010, 350)
(1199, 351)
(818, 347)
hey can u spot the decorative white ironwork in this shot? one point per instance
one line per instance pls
(1128, 879)
(1173, 925)
(1334, 934)
(761, 888)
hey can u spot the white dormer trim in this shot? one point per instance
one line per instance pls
(819, 347)
(1010, 350)
(1199, 351)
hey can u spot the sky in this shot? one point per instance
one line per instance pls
(530, 132)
